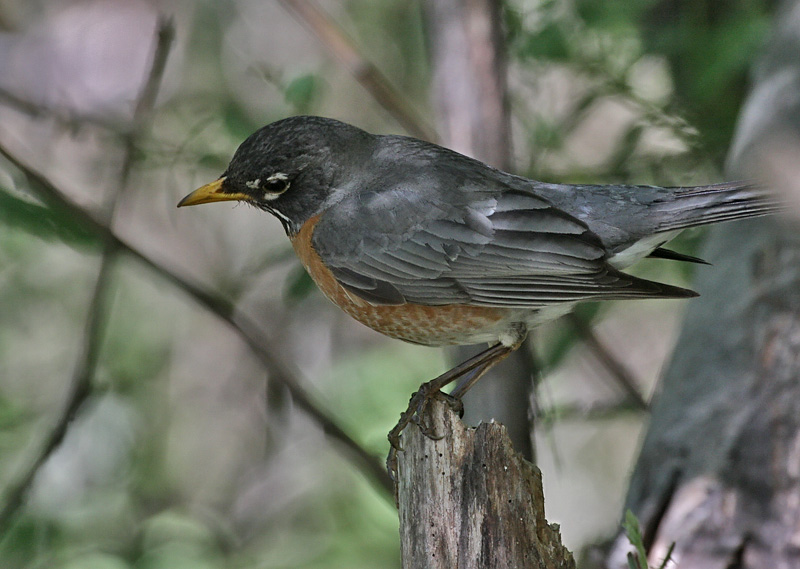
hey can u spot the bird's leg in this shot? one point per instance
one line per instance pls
(430, 388)
(471, 378)
(470, 370)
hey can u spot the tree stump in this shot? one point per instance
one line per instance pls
(468, 500)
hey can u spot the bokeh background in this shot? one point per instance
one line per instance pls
(183, 446)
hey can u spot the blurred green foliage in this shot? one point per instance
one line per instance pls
(21, 212)
(709, 47)
(303, 92)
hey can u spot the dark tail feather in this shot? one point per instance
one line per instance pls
(643, 288)
(691, 207)
(662, 253)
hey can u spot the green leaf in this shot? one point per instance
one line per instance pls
(613, 13)
(27, 539)
(298, 286)
(634, 534)
(42, 221)
(237, 122)
(667, 557)
(547, 134)
(11, 414)
(96, 560)
(548, 43)
(565, 337)
(302, 92)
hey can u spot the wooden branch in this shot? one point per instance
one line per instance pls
(470, 95)
(251, 334)
(469, 500)
(619, 373)
(718, 471)
(338, 43)
(256, 339)
(63, 116)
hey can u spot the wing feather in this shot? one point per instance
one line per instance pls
(503, 247)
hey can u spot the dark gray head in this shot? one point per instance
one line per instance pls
(290, 167)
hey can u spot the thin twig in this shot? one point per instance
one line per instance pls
(258, 342)
(64, 116)
(145, 103)
(587, 412)
(79, 392)
(81, 383)
(331, 35)
(623, 377)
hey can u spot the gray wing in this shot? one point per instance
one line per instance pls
(503, 248)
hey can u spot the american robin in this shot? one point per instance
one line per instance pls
(432, 247)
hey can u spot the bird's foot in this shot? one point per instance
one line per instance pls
(418, 417)
(471, 370)
(415, 413)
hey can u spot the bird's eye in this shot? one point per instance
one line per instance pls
(275, 185)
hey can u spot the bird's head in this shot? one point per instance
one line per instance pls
(290, 168)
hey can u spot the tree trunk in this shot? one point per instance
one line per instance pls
(469, 78)
(719, 472)
(468, 500)
(471, 101)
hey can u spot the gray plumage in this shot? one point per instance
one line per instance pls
(417, 223)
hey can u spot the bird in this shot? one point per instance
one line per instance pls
(432, 247)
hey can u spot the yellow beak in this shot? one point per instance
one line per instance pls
(212, 192)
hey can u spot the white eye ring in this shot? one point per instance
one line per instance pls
(276, 189)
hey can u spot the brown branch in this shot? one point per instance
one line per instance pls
(334, 39)
(469, 83)
(469, 91)
(102, 225)
(80, 391)
(81, 383)
(622, 376)
(64, 116)
(587, 412)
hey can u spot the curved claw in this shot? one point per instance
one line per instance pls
(455, 403)
(426, 429)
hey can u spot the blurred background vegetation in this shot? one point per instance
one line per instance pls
(183, 449)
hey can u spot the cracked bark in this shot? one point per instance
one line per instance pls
(468, 500)
(719, 472)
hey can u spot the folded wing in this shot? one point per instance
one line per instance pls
(501, 248)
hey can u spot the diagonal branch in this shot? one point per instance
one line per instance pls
(63, 116)
(256, 340)
(345, 50)
(81, 383)
(591, 412)
(622, 376)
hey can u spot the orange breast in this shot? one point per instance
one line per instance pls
(416, 323)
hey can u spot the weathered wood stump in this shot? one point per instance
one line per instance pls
(468, 500)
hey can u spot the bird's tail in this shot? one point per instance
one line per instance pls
(701, 205)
